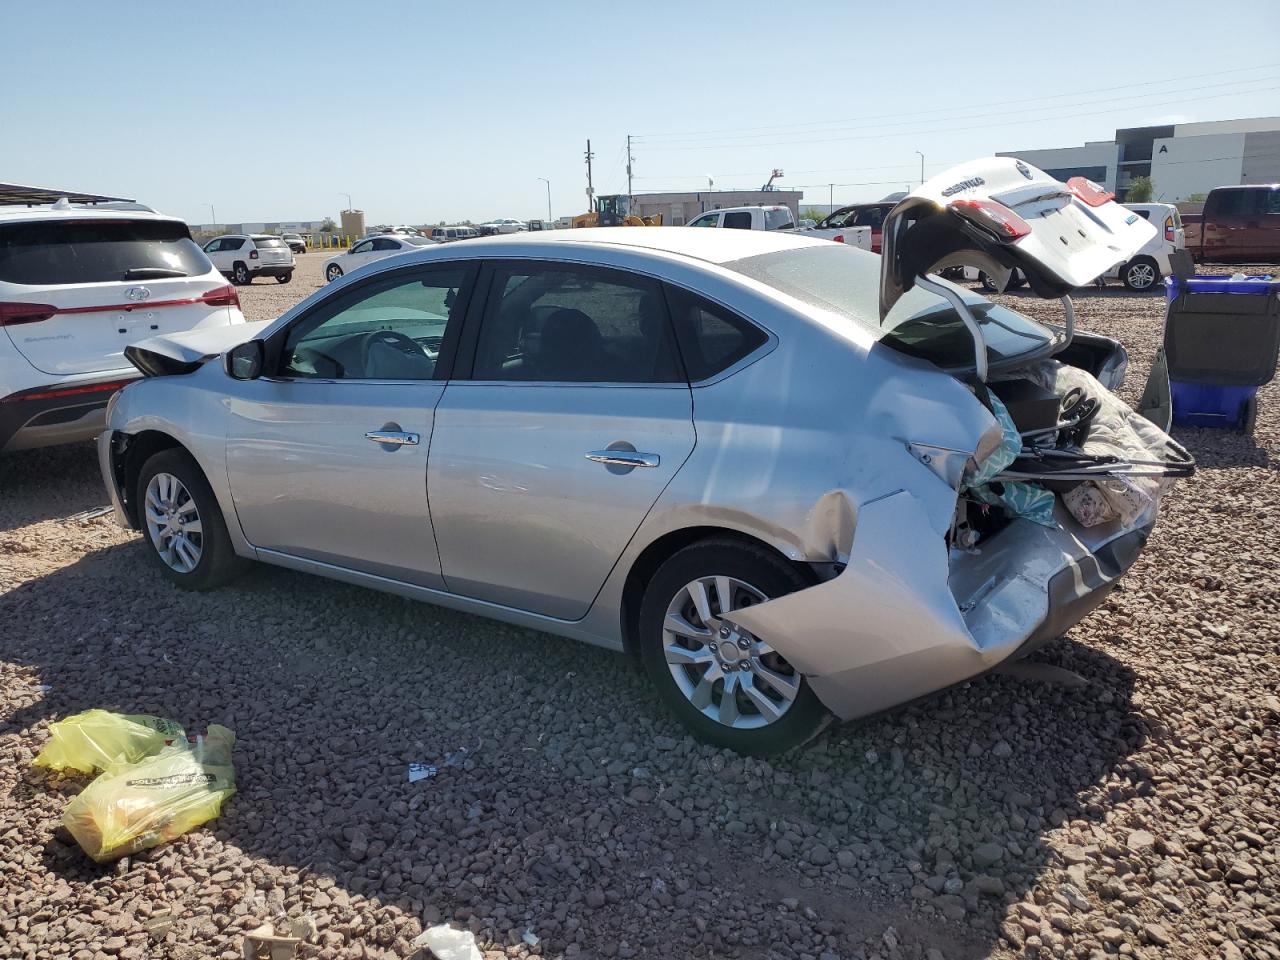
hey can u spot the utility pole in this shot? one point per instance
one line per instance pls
(214, 214)
(629, 159)
(548, 183)
(921, 166)
(831, 194)
(591, 192)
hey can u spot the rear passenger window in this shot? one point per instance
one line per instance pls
(553, 324)
(737, 221)
(711, 338)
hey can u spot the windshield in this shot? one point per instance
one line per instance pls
(55, 252)
(845, 280)
(779, 220)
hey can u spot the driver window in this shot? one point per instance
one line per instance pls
(389, 329)
(707, 221)
(364, 246)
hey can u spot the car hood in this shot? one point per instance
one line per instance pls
(179, 353)
(1000, 214)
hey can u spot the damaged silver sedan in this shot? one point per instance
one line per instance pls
(798, 480)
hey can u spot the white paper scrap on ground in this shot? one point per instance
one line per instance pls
(449, 944)
(422, 771)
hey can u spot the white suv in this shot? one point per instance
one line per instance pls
(79, 283)
(245, 256)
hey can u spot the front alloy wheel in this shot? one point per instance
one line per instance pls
(333, 273)
(725, 673)
(173, 523)
(185, 533)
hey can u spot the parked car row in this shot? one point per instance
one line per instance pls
(778, 217)
(1237, 225)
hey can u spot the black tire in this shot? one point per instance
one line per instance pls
(1250, 419)
(333, 272)
(283, 277)
(240, 275)
(771, 575)
(1141, 274)
(986, 282)
(1016, 281)
(218, 562)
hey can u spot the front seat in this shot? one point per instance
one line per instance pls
(571, 348)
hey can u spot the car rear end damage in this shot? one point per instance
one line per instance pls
(1048, 509)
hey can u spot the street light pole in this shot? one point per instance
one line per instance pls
(921, 166)
(548, 183)
(348, 196)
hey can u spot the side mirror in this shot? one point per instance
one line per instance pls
(244, 362)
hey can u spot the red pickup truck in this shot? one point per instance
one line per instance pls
(1238, 225)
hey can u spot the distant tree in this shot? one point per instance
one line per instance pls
(812, 213)
(327, 225)
(1141, 190)
(1198, 198)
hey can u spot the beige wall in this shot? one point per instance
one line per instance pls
(352, 223)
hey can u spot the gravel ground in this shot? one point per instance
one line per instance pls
(1133, 814)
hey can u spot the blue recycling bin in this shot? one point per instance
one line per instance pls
(1221, 343)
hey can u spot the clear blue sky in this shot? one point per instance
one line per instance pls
(425, 111)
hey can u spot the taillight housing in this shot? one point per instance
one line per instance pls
(253, 254)
(838, 238)
(221, 297)
(993, 217)
(15, 313)
(1088, 192)
(1168, 229)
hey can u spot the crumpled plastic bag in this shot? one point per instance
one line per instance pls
(133, 806)
(449, 944)
(94, 740)
(1016, 497)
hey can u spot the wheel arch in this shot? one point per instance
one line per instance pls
(662, 549)
(135, 450)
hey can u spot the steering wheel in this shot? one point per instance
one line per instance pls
(394, 339)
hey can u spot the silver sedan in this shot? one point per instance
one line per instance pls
(780, 476)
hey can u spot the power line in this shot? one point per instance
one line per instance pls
(982, 126)
(996, 103)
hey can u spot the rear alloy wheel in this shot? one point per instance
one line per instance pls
(184, 528)
(1140, 274)
(240, 275)
(283, 277)
(728, 687)
(333, 272)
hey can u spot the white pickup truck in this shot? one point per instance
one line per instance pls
(777, 218)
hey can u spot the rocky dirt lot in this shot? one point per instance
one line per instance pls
(1135, 814)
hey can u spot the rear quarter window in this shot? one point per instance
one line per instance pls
(711, 339)
(56, 252)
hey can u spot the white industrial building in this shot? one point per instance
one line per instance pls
(1181, 159)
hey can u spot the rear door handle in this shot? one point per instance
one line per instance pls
(397, 437)
(624, 458)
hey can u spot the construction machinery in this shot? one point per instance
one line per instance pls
(614, 210)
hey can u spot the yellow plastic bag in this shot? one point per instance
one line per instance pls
(93, 740)
(133, 806)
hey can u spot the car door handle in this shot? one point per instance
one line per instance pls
(624, 458)
(397, 437)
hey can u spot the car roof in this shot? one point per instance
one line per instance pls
(712, 246)
(79, 212)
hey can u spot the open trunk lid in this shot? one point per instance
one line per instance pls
(1000, 214)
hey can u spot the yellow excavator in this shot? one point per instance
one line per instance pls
(614, 210)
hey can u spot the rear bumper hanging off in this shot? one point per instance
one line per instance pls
(903, 620)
